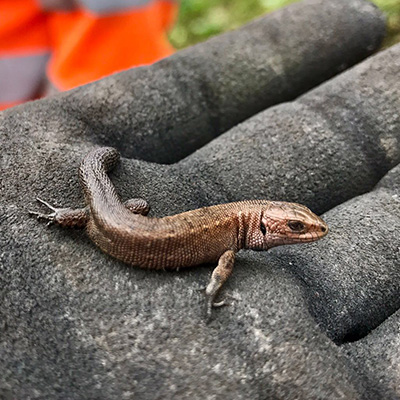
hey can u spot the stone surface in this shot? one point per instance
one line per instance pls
(75, 323)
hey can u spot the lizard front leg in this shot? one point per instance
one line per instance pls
(219, 276)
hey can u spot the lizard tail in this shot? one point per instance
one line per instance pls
(97, 186)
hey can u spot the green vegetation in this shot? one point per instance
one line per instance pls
(200, 19)
(392, 9)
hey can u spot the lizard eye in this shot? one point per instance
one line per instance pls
(296, 226)
(263, 228)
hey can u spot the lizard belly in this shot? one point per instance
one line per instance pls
(153, 250)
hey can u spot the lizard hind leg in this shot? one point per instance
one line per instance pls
(137, 206)
(66, 217)
(219, 276)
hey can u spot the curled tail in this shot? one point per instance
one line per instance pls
(97, 186)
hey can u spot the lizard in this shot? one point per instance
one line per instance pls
(205, 235)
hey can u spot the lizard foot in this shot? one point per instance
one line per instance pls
(225, 301)
(219, 303)
(211, 303)
(137, 206)
(50, 218)
(63, 216)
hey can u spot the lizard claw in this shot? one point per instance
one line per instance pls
(225, 301)
(66, 217)
(221, 303)
(50, 218)
(211, 303)
(47, 204)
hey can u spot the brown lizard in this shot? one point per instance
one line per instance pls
(205, 235)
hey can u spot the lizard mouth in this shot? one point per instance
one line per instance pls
(294, 238)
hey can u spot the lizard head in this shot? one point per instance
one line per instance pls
(285, 223)
(290, 223)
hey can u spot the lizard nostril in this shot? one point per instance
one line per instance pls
(323, 228)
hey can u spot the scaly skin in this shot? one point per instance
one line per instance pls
(205, 235)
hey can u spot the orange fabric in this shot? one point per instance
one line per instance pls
(23, 27)
(23, 31)
(3, 106)
(84, 46)
(87, 47)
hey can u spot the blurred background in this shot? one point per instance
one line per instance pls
(200, 19)
(48, 46)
